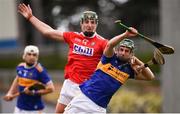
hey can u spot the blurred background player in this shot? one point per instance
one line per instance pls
(85, 51)
(28, 73)
(112, 72)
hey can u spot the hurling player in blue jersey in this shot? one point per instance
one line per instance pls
(116, 66)
(28, 73)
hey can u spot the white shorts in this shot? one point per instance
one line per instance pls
(21, 111)
(82, 104)
(68, 91)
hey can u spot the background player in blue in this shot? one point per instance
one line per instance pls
(112, 72)
(28, 73)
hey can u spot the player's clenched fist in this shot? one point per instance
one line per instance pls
(8, 98)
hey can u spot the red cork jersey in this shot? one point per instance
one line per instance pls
(83, 56)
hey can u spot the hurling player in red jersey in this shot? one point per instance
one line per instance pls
(85, 51)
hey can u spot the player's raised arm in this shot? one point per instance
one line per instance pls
(108, 52)
(43, 28)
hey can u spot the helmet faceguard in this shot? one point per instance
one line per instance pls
(30, 49)
(89, 15)
(127, 43)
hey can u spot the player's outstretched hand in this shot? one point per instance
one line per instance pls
(25, 11)
(8, 97)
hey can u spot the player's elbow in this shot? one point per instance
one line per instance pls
(148, 74)
(52, 89)
(150, 77)
(109, 45)
(145, 77)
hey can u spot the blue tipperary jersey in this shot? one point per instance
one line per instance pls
(27, 77)
(110, 74)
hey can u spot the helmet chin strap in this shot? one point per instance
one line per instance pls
(88, 34)
(29, 65)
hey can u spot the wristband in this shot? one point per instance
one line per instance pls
(29, 17)
(146, 65)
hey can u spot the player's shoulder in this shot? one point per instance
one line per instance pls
(39, 67)
(101, 38)
(78, 33)
(72, 33)
(21, 64)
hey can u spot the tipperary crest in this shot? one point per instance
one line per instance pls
(30, 74)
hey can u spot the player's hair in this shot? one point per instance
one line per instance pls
(30, 49)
